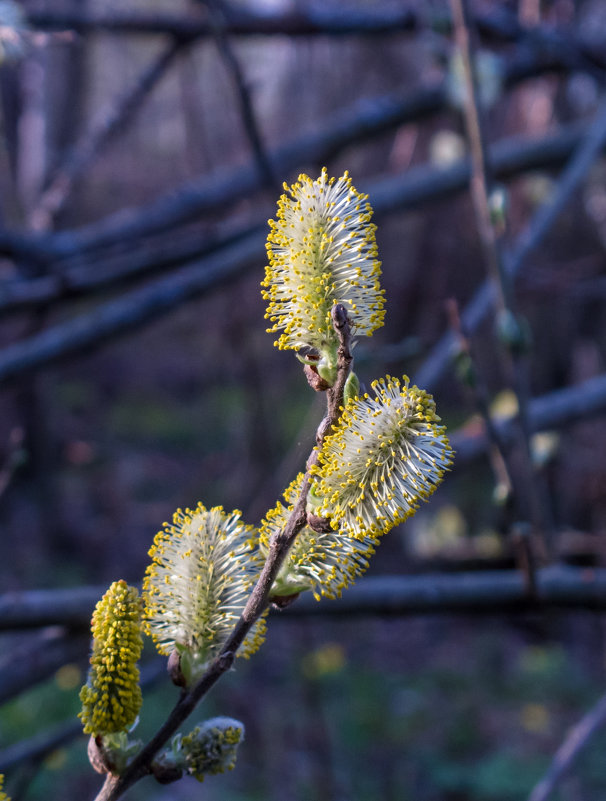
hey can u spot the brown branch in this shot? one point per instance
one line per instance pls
(280, 544)
(527, 496)
(576, 740)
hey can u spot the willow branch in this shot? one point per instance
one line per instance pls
(115, 786)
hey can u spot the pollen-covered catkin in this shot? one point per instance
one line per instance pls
(322, 251)
(387, 454)
(204, 566)
(111, 698)
(325, 562)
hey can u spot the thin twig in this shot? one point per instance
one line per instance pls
(476, 311)
(497, 449)
(218, 16)
(577, 739)
(55, 196)
(527, 496)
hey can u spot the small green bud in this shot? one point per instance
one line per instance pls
(208, 749)
(464, 367)
(514, 332)
(498, 205)
(352, 388)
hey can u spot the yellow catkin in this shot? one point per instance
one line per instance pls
(204, 566)
(323, 562)
(321, 250)
(387, 454)
(111, 698)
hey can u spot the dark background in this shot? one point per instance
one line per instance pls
(123, 400)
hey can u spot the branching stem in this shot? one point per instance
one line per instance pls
(115, 786)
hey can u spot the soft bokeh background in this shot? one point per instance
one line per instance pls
(98, 449)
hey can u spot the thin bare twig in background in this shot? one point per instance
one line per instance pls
(219, 12)
(577, 739)
(587, 151)
(555, 410)
(527, 493)
(497, 450)
(55, 196)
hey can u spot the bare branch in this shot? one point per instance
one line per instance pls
(494, 27)
(483, 592)
(210, 195)
(527, 496)
(55, 196)
(70, 608)
(37, 747)
(239, 22)
(29, 664)
(130, 311)
(476, 311)
(219, 13)
(576, 740)
(555, 410)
